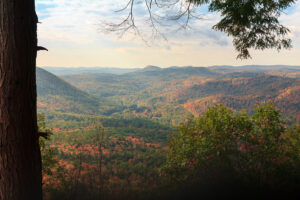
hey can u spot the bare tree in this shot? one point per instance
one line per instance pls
(182, 13)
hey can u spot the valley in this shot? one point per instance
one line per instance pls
(110, 130)
(170, 95)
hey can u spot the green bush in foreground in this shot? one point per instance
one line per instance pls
(223, 148)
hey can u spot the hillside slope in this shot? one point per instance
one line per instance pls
(55, 94)
(240, 93)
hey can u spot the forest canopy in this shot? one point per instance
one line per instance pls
(235, 152)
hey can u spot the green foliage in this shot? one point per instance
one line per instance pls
(257, 150)
(48, 153)
(251, 23)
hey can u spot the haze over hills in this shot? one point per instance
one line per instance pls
(55, 94)
(172, 94)
(79, 70)
(280, 70)
(272, 67)
(76, 70)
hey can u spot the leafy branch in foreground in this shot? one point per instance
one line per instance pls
(47, 153)
(252, 23)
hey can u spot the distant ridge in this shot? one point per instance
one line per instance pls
(151, 68)
(173, 72)
(257, 66)
(60, 71)
(83, 70)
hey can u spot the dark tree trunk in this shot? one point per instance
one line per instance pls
(20, 159)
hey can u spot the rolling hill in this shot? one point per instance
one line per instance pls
(172, 94)
(284, 93)
(55, 94)
(265, 86)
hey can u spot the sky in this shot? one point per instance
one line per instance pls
(76, 35)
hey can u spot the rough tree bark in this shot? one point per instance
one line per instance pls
(20, 159)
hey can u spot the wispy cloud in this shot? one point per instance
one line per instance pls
(75, 25)
(80, 21)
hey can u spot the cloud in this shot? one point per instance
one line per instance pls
(75, 25)
(79, 21)
(74, 21)
(291, 20)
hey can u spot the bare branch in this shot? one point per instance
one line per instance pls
(39, 48)
(157, 21)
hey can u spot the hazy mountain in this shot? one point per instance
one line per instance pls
(57, 95)
(82, 70)
(151, 68)
(171, 72)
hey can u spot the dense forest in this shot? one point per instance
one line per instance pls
(199, 131)
(232, 153)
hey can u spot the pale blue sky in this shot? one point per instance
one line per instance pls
(71, 30)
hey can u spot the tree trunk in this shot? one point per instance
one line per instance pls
(20, 158)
